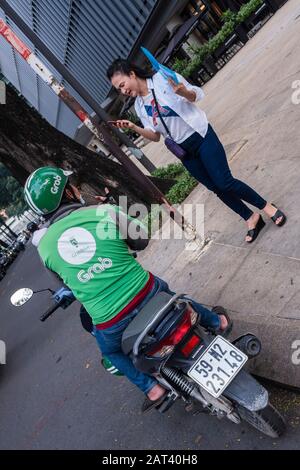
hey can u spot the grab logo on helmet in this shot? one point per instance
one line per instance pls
(56, 184)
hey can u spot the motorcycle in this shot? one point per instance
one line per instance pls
(12, 250)
(22, 240)
(203, 369)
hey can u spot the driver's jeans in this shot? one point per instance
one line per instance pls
(110, 339)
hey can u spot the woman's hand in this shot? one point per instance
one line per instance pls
(181, 90)
(107, 199)
(147, 133)
(123, 124)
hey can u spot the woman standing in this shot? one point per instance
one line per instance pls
(168, 109)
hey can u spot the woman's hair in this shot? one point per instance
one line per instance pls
(125, 67)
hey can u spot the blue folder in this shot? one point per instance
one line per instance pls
(165, 71)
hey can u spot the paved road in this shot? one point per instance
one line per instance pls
(55, 395)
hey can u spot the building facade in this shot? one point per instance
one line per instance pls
(85, 36)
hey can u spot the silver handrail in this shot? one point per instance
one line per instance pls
(149, 326)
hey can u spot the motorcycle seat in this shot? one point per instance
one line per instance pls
(143, 319)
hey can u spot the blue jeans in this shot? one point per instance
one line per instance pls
(207, 162)
(110, 339)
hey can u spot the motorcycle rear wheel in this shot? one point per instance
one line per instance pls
(268, 420)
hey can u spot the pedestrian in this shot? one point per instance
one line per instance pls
(168, 109)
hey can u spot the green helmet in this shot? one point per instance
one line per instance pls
(44, 189)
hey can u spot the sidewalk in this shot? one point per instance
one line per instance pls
(249, 104)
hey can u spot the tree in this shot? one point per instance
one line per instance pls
(27, 141)
(11, 193)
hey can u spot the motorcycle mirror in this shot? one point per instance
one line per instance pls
(21, 296)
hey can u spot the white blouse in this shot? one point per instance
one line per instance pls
(174, 107)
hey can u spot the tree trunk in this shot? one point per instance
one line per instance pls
(27, 141)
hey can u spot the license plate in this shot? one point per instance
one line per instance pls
(217, 366)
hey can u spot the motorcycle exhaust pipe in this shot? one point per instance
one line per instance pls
(248, 344)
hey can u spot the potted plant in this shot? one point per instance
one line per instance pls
(247, 11)
(217, 44)
(179, 65)
(241, 31)
(205, 58)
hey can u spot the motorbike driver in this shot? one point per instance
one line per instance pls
(87, 247)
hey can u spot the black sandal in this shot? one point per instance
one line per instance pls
(148, 404)
(253, 233)
(221, 311)
(276, 216)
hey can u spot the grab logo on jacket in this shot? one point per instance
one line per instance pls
(76, 246)
(96, 268)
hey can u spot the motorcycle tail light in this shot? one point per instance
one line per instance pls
(190, 345)
(166, 346)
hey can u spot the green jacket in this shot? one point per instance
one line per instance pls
(88, 249)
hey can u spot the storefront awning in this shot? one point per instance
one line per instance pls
(179, 37)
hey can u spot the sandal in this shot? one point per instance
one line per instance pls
(148, 404)
(276, 216)
(221, 311)
(253, 233)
